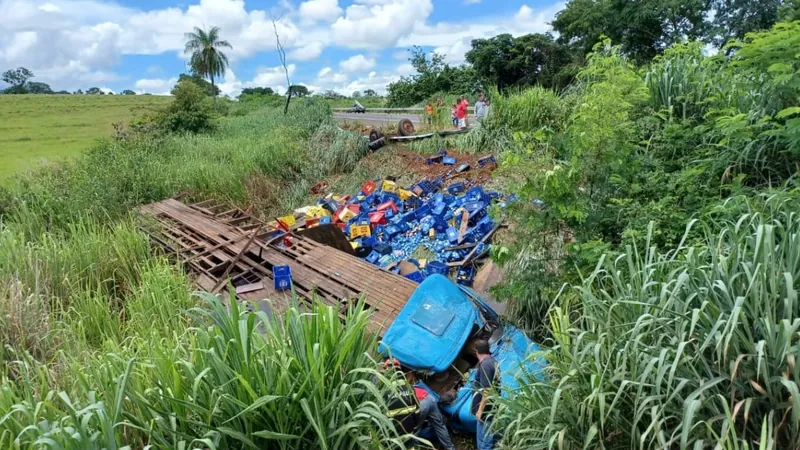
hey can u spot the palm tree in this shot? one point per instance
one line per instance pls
(207, 59)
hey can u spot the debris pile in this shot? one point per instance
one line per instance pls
(389, 225)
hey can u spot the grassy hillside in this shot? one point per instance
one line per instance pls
(34, 128)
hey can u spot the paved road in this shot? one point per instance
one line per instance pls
(375, 119)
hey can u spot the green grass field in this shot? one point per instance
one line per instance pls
(36, 128)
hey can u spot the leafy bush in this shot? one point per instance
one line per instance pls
(189, 111)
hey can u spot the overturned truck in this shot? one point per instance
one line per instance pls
(430, 327)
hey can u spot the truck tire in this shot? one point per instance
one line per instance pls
(405, 127)
(374, 135)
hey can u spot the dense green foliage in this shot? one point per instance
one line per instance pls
(189, 112)
(208, 88)
(433, 76)
(533, 59)
(688, 347)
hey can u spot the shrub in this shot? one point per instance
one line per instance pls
(189, 111)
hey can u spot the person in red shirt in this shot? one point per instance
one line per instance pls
(461, 112)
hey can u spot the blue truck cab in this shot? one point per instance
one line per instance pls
(434, 335)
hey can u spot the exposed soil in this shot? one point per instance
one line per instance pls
(414, 165)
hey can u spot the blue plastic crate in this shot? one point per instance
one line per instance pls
(427, 186)
(448, 160)
(439, 209)
(437, 267)
(415, 276)
(391, 231)
(283, 277)
(490, 159)
(422, 211)
(384, 248)
(465, 275)
(475, 194)
(373, 257)
(371, 241)
(452, 235)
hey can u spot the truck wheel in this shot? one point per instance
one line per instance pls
(406, 127)
(374, 135)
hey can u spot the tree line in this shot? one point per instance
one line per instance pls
(642, 29)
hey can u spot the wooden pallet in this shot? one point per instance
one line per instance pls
(229, 247)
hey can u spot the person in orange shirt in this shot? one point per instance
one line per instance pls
(429, 113)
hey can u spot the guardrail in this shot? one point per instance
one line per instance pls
(414, 109)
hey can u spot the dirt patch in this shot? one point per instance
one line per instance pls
(408, 164)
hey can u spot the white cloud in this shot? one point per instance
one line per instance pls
(357, 63)
(307, 52)
(324, 71)
(454, 54)
(375, 24)
(49, 7)
(157, 86)
(320, 11)
(271, 76)
(447, 34)
(73, 44)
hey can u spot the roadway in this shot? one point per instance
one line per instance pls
(376, 119)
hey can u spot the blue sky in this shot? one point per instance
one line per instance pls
(344, 45)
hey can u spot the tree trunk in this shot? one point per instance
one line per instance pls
(213, 92)
(288, 97)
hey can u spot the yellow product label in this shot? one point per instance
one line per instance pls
(346, 215)
(288, 220)
(354, 245)
(422, 263)
(317, 212)
(389, 186)
(357, 231)
(404, 194)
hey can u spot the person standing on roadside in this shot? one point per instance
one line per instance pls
(461, 112)
(486, 378)
(454, 114)
(429, 113)
(480, 108)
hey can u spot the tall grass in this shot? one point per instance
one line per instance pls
(233, 380)
(690, 348)
(529, 110)
(115, 176)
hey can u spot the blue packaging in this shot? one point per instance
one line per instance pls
(439, 209)
(384, 248)
(448, 160)
(422, 211)
(456, 188)
(452, 235)
(475, 194)
(391, 231)
(415, 276)
(283, 277)
(437, 267)
(325, 220)
(373, 257)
